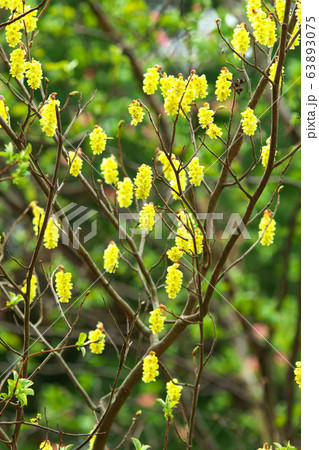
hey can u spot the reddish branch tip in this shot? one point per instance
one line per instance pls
(193, 72)
(61, 267)
(270, 15)
(112, 242)
(162, 306)
(53, 95)
(158, 67)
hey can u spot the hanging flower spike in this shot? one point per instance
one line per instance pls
(13, 33)
(150, 367)
(17, 63)
(38, 216)
(166, 84)
(136, 112)
(147, 217)
(3, 109)
(249, 122)
(298, 12)
(173, 280)
(33, 74)
(111, 257)
(16, 4)
(183, 183)
(280, 9)
(143, 182)
(182, 238)
(168, 170)
(189, 94)
(171, 104)
(151, 80)
(157, 318)
(99, 336)
(195, 172)
(272, 72)
(267, 221)
(63, 285)
(48, 119)
(264, 28)
(265, 153)
(297, 373)
(51, 235)
(200, 86)
(223, 84)
(241, 40)
(205, 115)
(45, 445)
(125, 193)
(75, 163)
(33, 288)
(109, 170)
(5, 4)
(30, 20)
(174, 254)
(198, 241)
(98, 140)
(213, 131)
(252, 5)
(174, 391)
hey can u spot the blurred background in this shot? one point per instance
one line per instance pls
(248, 394)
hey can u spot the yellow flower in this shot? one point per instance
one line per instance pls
(297, 40)
(125, 193)
(51, 235)
(205, 115)
(143, 181)
(111, 257)
(264, 29)
(183, 237)
(298, 12)
(33, 288)
(34, 74)
(17, 63)
(174, 391)
(272, 72)
(213, 131)
(150, 367)
(249, 121)
(136, 112)
(172, 100)
(173, 280)
(63, 285)
(13, 33)
(48, 119)
(156, 320)
(147, 217)
(76, 162)
(195, 172)
(280, 9)
(168, 170)
(92, 439)
(240, 40)
(16, 4)
(6, 4)
(109, 169)
(98, 140)
(166, 84)
(182, 182)
(3, 110)
(174, 254)
(252, 5)
(38, 216)
(151, 79)
(200, 86)
(267, 221)
(223, 84)
(198, 241)
(297, 373)
(99, 336)
(265, 153)
(45, 445)
(30, 20)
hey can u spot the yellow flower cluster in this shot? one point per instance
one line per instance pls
(99, 336)
(150, 367)
(250, 7)
(182, 239)
(174, 95)
(267, 221)
(111, 257)
(51, 234)
(38, 216)
(297, 40)
(17, 63)
(174, 254)
(223, 84)
(45, 445)
(63, 285)
(76, 163)
(3, 110)
(198, 237)
(272, 72)
(168, 170)
(195, 172)
(157, 318)
(240, 40)
(173, 280)
(151, 80)
(280, 9)
(298, 12)
(297, 373)
(125, 193)
(205, 115)
(98, 140)
(109, 170)
(13, 33)
(34, 74)
(30, 20)
(136, 112)
(33, 288)
(143, 182)
(179, 188)
(214, 131)
(48, 119)
(265, 153)
(147, 217)
(249, 121)
(264, 28)
(174, 391)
